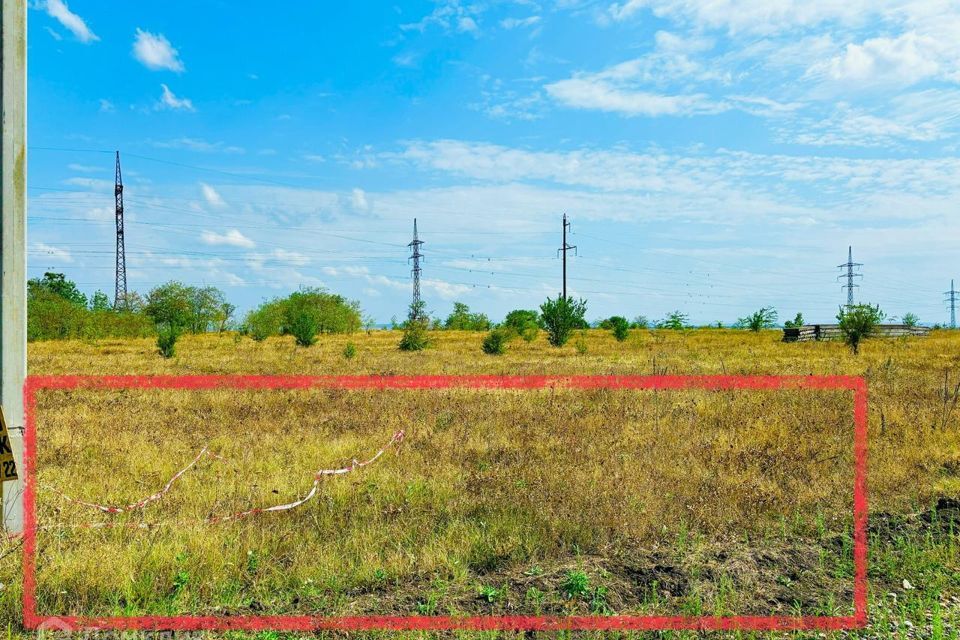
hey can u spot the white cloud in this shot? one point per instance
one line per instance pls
(54, 34)
(197, 144)
(155, 52)
(210, 194)
(907, 59)
(591, 92)
(761, 17)
(169, 100)
(359, 200)
(106, 106)
(58, 10)
(514, 23)
(449, 15)
(232, 238)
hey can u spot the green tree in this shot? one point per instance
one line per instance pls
(265, 321)
(764, 318)
(462, 320)
(796, 323)
(857, 323)
(525, 322)
(619, 326)
(171, 305)
(640, 322)
(560, 317)
(205, 307)
(675, 320)
(223, 316)
(100, 302)
(910, 320)
(57, 284)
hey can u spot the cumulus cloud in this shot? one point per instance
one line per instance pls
(155, 52)
(232, 238)
(58, 10)
(169, 100)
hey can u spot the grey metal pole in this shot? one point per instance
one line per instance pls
(13, 241)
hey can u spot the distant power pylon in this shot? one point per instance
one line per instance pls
(415, 257)
(120, 289)
(566, 247)
(952, 299)
(850, 275)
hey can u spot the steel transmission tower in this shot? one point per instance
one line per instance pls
(566, 247)
(415, 310)
(120, 289)
(850, 275)
(952, 299)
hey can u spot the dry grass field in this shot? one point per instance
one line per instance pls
(554, 501)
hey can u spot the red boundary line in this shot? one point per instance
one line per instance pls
(33, 620)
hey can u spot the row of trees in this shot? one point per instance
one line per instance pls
(56, 309)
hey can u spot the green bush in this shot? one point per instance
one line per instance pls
(349, 351)
(765, 318)
(675, 320)
(265, 321)
(415, 336)
(619, 326)
(858, 322)
(167, 340)
(303, 326)
(495, 343)
(525, 322)
(299, 313)
(560, 317)
(462, 320)
(796, 323)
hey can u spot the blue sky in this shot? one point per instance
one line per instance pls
(714, 157)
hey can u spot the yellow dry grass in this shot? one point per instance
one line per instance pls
(495, 495)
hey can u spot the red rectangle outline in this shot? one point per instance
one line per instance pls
(32, 620)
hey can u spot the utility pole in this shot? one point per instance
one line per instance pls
(415, 310)
(566, 247)
(13, 241)
(120, 287)
(850, 275)
(952, 299)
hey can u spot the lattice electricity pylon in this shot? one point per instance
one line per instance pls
(850, 275)
(415, 305)
(120, 287)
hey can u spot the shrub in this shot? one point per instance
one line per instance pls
(560, 317)
(619, 326)
(581, 343)
(858, 322)
(415, 337)
(524, 322)
(349, 351)
(796, 323)
(910, 320)
(675, 320)
(265, 321)
(167, 340)
(303, 326)
(765, 318)
(461, 319)
(495, 343)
